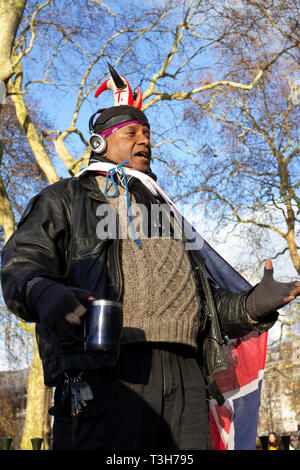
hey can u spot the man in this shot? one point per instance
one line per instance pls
(175, 319)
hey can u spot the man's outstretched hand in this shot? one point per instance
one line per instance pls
(270, 295)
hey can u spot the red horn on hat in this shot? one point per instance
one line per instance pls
(121, 88)
(101, 88)
(139, 99)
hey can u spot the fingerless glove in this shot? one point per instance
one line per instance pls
(56, 305)
(268, 296)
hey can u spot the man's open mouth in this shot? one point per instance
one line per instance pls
(143, 154)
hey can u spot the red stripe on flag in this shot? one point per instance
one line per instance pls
(246, 356)
(216, 441)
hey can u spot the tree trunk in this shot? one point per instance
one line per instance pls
(37, 420)
(7, 220)
(41, 155)
(11, 12)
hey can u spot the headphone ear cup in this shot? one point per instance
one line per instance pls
(97, 143)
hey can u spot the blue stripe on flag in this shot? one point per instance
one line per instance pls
(245, 419)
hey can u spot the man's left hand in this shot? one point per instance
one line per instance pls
(270, 295)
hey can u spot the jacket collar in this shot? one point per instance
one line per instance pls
(87, 180)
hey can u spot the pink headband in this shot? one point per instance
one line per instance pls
(113, 129)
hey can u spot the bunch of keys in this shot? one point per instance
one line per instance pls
(80, 391)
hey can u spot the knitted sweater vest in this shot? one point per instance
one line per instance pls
(160, 300)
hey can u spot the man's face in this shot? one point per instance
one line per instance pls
(130, 143)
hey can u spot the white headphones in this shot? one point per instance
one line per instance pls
(96, 141)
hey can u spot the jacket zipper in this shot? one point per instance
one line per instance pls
(117, 250)
(118, 262)
(208, 361)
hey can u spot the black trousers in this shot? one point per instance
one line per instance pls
(153, 398)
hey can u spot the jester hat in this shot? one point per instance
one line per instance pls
(127, 106)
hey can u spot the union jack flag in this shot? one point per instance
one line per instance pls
(233, 425)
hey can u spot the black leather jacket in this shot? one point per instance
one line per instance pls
(56, 238)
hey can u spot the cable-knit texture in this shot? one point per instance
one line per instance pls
(160, 300)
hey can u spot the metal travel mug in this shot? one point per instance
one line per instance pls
(103, 326)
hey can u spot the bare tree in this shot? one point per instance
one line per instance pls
(248, 171)
(251, 169)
